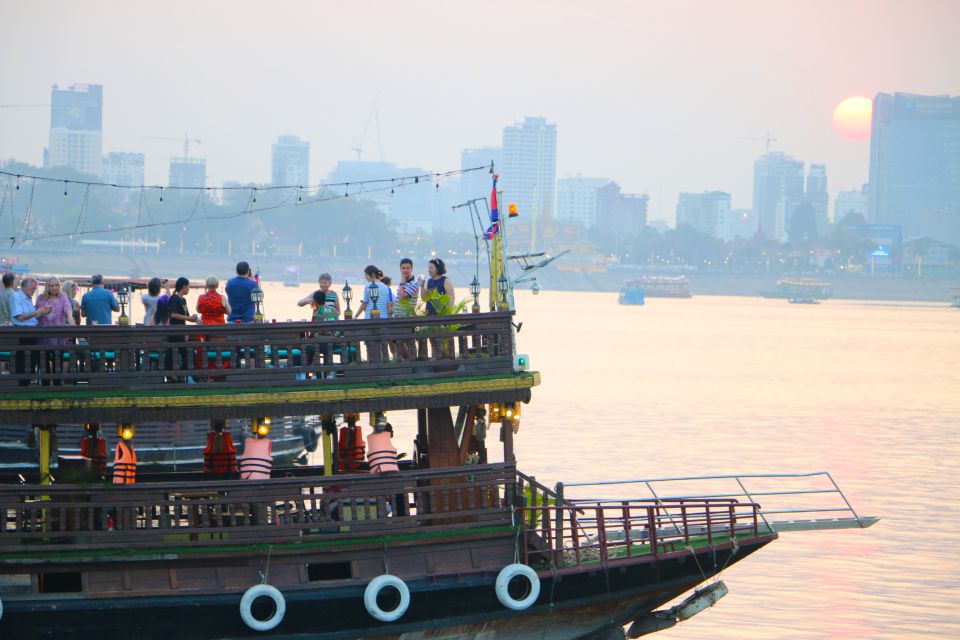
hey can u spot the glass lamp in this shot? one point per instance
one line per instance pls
(257, 296)
(502, 287)
(123, 295)
(373, 293)
(475, 292)
(347, 297)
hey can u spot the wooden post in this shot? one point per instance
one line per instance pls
(329, 428)
(507, 430)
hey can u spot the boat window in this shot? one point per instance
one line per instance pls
(68, 582)
(329, 571)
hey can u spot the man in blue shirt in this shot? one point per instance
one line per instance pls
(239, 290)
(24, 314)
(98, 304)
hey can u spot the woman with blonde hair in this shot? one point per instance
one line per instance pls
(212, 304)
(69, 289)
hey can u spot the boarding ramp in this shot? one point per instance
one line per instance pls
(789, 501)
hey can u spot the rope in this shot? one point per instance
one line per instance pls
(265, 575)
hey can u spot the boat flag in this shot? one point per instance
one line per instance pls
(494, 213)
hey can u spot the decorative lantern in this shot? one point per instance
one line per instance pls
(475, 292)
(503, 286)
(347, 297)
(257, 296)
(123, 295)
(373, 293)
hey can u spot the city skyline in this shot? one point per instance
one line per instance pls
(661, 114)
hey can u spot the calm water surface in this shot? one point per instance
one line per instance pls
(715, 385)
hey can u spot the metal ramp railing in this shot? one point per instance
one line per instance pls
(790, 501)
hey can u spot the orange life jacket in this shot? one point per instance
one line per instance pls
(95, 449)
(381, 454)
(125, 464)
(350, 449)
(256, 461)
(220, 455)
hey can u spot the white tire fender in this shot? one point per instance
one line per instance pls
(377, 585)
(246, 606)
(507, 574)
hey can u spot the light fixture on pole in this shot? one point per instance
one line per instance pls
(475, 292)
(373, 293)
(257, 296)
(535, 288)
(123, 295)
(347, 297)
(503, 286)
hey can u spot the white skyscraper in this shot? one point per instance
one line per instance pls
(123, 168)
(76, 128)
(291, 162)
(707, 212)
(578, 199)
(529, 172)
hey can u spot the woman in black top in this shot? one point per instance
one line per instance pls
(179, 315)
(438, 282)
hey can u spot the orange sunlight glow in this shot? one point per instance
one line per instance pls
(852, 118)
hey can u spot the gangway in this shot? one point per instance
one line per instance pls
(793, 501)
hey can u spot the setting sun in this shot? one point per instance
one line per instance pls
(852, 118)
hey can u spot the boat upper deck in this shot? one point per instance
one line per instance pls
(74, 374)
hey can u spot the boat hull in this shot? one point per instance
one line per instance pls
(581, 603)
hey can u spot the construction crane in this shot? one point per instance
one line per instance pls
(768, 139)
(186, 142)
(358, 145)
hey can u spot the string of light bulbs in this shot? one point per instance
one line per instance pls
(324, 193)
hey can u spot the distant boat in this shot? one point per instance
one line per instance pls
(956, 298)
(655, 287)
(631, 293)
(291, 277)
(800, 290)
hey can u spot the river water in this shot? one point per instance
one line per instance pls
(719, 385)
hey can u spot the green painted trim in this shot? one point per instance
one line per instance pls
(172, 553)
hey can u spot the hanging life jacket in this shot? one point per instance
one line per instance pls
(95, 449)
(220, 455)
(350, 449)
(125, 464)
(256, 461)
(381, 454)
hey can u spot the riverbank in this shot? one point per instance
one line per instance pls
(198, 267)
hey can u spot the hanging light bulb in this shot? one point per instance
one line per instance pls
(254, 195)
(64, 188)
(161, 194)
(299, 194)
(18, 183)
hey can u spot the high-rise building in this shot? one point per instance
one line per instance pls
(622, 213)
(777, 192)
(76, 128)
(707, 212)
(852, 201)
(530, 168)
(123, 168)
(188, 172)
(577, 199)
(914, 160)
(291, 162)
(816, 194)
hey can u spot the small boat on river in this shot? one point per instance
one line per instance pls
(800, 290)
(635, 291)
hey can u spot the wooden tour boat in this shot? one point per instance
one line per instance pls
(452, 545)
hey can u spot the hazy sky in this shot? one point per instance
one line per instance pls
(652, 94)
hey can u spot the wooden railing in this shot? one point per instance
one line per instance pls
(276, 354)
(278, 510)
(609, 532)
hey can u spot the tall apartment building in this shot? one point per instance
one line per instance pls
(123, 168)
(577, 199)
(816, 194)
(290, 162)
(707, 212)
(529, 173)
(778, 189)
(76, 128)
(914, 162)
(854, 200)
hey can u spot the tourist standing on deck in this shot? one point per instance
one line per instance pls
(179, 316)
(24, 314)
(61, 315)
(70, 290)
(239, 294)
(149, 300)
(327, 306)
(9, 288)
(408, 290)
(438, 282)
(372, 275)
(212, 305)
(98, 304)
